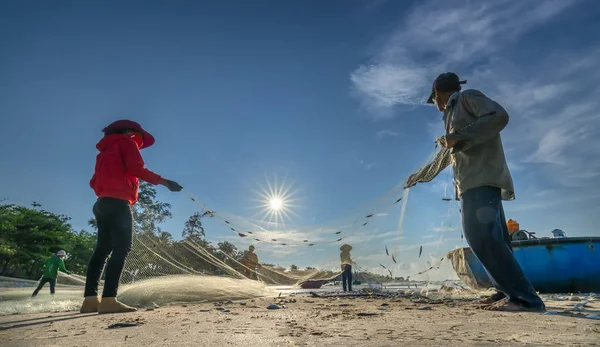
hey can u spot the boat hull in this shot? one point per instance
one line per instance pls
(312, 284)
(553, 265)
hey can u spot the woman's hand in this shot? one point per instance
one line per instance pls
(171, 185)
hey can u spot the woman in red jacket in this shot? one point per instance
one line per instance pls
(119, 167)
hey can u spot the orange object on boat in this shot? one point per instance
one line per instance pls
(512, 226)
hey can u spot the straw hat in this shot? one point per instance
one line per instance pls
(345, 247)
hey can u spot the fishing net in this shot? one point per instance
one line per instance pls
(371, 226)
(160, 270)
(71, 279)
(459, 260)
(190, 288)
(426, 174)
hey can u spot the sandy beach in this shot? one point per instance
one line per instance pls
(304, 320)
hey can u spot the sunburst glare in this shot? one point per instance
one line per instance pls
(276, 202)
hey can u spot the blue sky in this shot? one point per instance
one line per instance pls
(326, 95)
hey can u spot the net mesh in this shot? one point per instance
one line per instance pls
(161, 270)
(459, 260)
(152, 256)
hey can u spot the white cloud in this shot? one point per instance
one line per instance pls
(551, 146)
(443, 229)
(530, 94)
(390, 237)
(565, 141)
(366, 165)
(400, 72)
(384, 85)
(514, 166)
(552, 99)
(545, 192)
(384, 133)
(560, 199)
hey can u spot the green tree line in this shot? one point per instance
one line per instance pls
(29, 235)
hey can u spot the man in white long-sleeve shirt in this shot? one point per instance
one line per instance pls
(473, 145)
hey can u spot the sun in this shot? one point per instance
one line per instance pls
(275, 202)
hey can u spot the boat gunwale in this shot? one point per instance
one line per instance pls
(545, 241)
(553, 241)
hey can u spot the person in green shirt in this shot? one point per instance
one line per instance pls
(51, 268)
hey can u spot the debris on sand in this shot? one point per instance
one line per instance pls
(124, 325)
(367, 314)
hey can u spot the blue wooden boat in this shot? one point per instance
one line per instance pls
(552, 265)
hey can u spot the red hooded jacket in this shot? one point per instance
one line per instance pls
(119, 165)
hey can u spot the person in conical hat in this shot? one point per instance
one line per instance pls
(119, 167)
(250, 262)
(346, 267)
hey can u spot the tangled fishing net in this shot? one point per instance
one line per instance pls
(190, 288)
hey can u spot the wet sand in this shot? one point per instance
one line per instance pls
(312, 321)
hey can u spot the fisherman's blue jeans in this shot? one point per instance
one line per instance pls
(347, 277)
(487, 234)
(43, 281)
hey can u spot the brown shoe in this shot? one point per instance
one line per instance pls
(111, 305)
(90, 304)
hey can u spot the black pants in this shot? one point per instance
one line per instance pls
(347, 277)
(115, 232)
(43, 281)
(487, 234)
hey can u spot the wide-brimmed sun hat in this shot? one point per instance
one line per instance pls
(128, 124)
